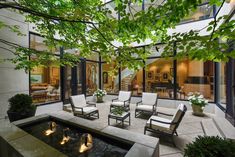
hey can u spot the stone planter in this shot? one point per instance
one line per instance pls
(197, 110)
(99, 99)
(14, 116)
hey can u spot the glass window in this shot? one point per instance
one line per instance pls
(94, 56)
(156, 50)
(92, 79)
(132, 81)
(44, 81)
(159, 77)
(110, 80)
(37, 43)
(223, 82)
(195, 76)
(202, 12)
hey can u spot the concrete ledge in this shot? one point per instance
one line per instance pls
(226, 129)
(210, 128)
(148, 141)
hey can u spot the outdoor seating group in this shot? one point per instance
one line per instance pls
(148, 104)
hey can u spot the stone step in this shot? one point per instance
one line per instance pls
(210, 128)
(225, 127)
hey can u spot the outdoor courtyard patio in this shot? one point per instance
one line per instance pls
(189, 128)
(117, 78)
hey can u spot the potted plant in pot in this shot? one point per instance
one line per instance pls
(20, 107)
(198, 103)
(99, 93)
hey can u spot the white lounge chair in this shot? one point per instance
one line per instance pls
(123, 100)
(82, 108)
(147, 104)
(163, 125)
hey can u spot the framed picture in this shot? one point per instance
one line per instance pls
(105, 77)
(36, 78)
(165, 76)
(150, 75)
(55, 71)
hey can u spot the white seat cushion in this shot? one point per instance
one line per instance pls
(79, 100)
(86, 110)
(149, 98)
(178, 114)
(117, 103)
(158, 125)
(145, 108)
(124, 95)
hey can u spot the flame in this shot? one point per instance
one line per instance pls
(51, 130)
(85, 146)
(65, 140)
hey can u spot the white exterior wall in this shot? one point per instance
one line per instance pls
(11, 81)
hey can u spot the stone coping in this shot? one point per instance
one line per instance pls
(26, 145)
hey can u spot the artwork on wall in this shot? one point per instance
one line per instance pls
(55, 71)
(36, 78)
(105, 77)
(150, 75)
(165, 76)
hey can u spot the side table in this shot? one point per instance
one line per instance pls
(121, 118)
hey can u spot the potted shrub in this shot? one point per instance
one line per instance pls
(99, 93)
(198, 103)
(20, 107)
(118, 110)
(210, 146)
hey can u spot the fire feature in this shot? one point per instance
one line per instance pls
(66, 138)
(86, 143)
(52, 129)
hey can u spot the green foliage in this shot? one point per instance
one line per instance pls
(210, 146)
(197, 99)
(118, 110)
(21, 103)
(88, 25)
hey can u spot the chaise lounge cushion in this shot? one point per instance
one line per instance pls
(86, 110)
(159, 126)
(144, 108)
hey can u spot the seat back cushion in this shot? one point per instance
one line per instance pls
(124, 95)
(149, 98)
(178, 115)
(78, 100)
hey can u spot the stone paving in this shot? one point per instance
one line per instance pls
(189, 128)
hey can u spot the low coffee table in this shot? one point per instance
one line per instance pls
(120, 117)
